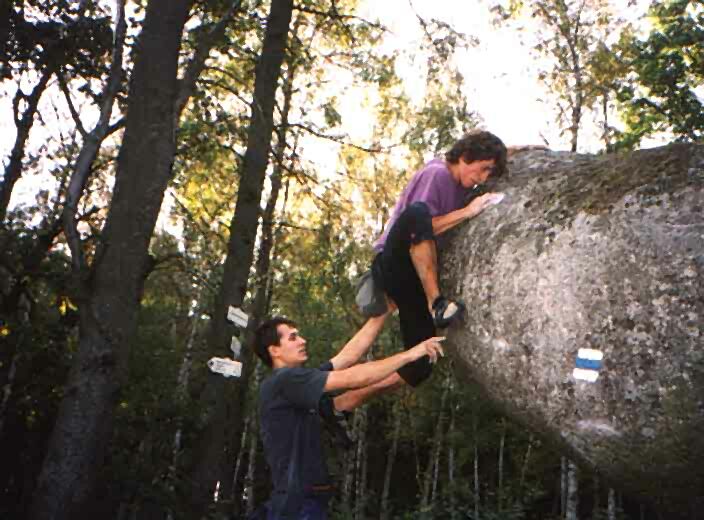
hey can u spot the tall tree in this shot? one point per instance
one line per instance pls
(109, 299)
(240, 254)
(572, 491)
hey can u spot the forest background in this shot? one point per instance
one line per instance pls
(165, 159)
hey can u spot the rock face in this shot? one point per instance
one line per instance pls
(603, 253)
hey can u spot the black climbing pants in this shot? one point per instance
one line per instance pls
(394, 271)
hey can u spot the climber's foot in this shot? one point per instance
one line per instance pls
(445, 311)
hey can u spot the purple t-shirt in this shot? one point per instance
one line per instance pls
(432, 184)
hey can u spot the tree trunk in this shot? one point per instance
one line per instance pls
(243, 230)
(606, 129)
(5, 14)
(7, 389)
(602, 253)
(576, 119)
(349, 471)
(611, 507)
(13, 170)
(451, 451)
(596, 506)
(572, 491)
(360, 487)
(109, 310)
(265, 257)
(254, 439)
(182, 391)
(429, 481)
(240, 454)
(384, 510)
(94, 139)
(577, 96)
(476, 466)
(502, 442)
(524, 468)
(563, 487)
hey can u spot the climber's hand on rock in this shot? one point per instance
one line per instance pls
(482, 202)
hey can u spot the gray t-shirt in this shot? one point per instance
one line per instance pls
(288, 399)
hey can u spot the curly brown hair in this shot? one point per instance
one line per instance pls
(480, 145)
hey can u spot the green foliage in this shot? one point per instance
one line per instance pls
(56, 33)
(37, 343)
(663, 89)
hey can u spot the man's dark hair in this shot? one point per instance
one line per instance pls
(267, 334)
(480, 145)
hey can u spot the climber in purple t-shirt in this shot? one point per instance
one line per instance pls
(432, 202)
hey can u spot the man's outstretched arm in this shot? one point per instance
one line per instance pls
(355, 348)
(373, 372)
(355, 398)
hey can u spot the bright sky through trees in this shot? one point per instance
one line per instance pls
(500, 74)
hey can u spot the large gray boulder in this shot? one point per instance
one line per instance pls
(603, 253)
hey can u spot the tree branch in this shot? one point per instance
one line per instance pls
(92, 143)
(226, 88)
(338, 16)
(339, 139)
(205, 43)
(74, 114)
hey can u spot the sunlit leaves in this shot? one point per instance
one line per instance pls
(332, 116)
(663, 91)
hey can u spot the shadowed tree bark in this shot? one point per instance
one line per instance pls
(572, 491)
(601, 253)
(390, 459)
(5, 12)
(109, 299)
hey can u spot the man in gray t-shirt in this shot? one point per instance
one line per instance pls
(434, 201)
(289, 407)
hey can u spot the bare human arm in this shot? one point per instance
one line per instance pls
(355, 348)
(373, 372)
(352, 399)
(442, 223)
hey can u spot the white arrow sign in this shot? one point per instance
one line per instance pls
(237, 316)
(225, 366)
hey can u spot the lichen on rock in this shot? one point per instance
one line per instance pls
(595, 252)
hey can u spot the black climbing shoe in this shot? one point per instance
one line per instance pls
(446, 311)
